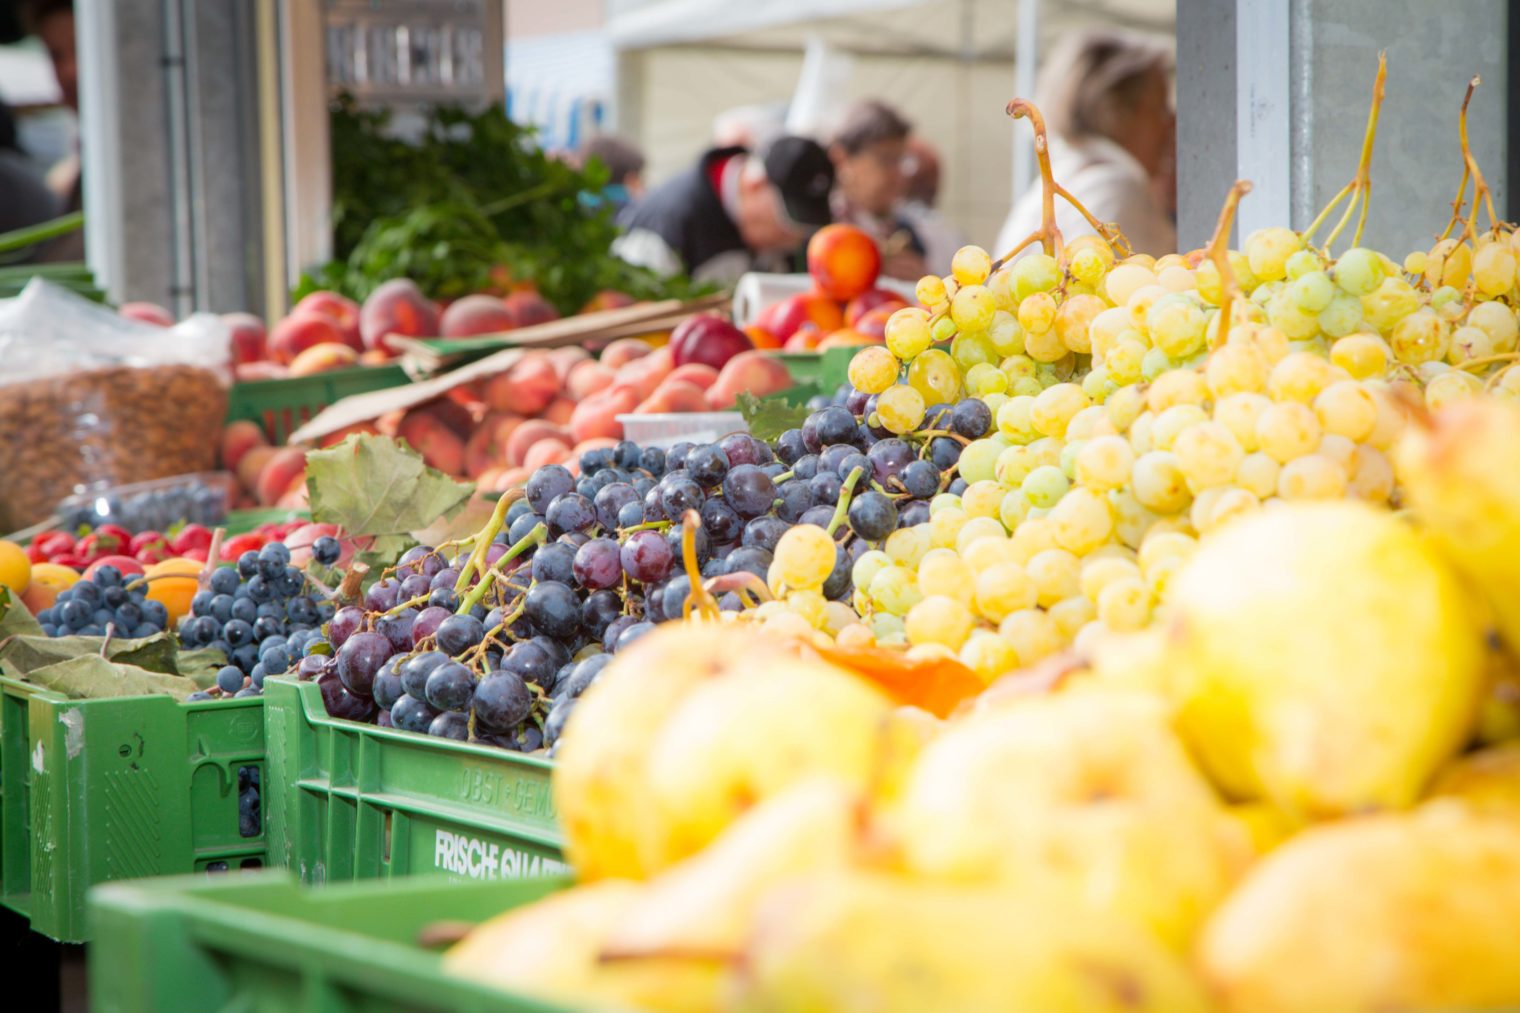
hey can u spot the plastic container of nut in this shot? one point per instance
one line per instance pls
(202, 498)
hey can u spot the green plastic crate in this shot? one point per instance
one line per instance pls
(117, 788)
(283, 406)
(260, 943)
(823, 371)
(356, 801)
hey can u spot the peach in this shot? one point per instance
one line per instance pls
(439, 445)
(252, 463)
(37, 597)
(451, 413)
(342, 309)
(873, 323)
(752, 372)
(785, 317)
(608, 299)
(595, 443)
(475, 315)
(300, 541)
(559, 411)
(375, 357)
(586, 378)
(180, 580)
(248, 372)
(300, 331)
(487, 445)
(335, 438)
(870, 300)
(526, 388)
(693, 372)
(644, 375)
(674, 396)
(285, 467)
(625, 350)
(843, 260)
(295, 498)
(512, 476)
(246, 337)
(146, 313)
(396, 307)
(564, 359)
(530, 308)
(597, 415)
(321, 358)
(546, 452)
(804, 339)
(529, 433)
(237, 439)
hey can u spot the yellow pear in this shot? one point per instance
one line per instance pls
(1087, 792)
(749, 733)
(551, 950)
(1407, 911)
(599, 784)
(705, 904)
(1459, 477)
(1324, 657)
(879, 944)
(1488, 781)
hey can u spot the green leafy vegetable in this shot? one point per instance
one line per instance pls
(373, 485)
(769, 417)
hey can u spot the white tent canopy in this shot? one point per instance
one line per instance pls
(947, 65)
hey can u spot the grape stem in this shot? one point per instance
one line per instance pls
(699, 599)
(213, 554)
(402, 606)
(846, 493)
(485, 537)
(781, 478)
(536, 537)
(105, 643)
(1360, 187)
(1481, 193)
(646, 526)
(1049, 234)
(750, 588)
(1218, 251)
(1489, 360)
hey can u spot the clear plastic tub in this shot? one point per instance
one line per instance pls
(664, 429)
(201, 498)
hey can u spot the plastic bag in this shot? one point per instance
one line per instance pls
(90, 400)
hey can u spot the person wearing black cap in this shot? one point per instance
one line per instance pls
(715, 220)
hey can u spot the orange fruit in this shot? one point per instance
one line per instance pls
(15, 568)
(178, 581)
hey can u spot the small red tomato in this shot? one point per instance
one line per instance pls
(234, 547)
(70, 559)
(53, 543)
(196, 552)
(191, 536)
(35, 554)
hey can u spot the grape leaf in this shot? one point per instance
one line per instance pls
(767, 418)
(373, 485)
(91, 677)
(15, 620)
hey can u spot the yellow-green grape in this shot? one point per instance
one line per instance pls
(1099, 572)
(1045, 347)
(1364, 356)
(1232, 502)
(1283, 313)
(868, 566)
(1032, 634)
(805, 556)
(944, 501)
(1074, 321)
(978, 529)
(1056, 573)
(978, 460)
(1037, 314)
(887, 629)
(1154, 363)
(942, 572)
(1360, 271)
(1088, 264)
(1287, 429)
(1299, 377)
(971, 265)
(1013, 464)
(1005, 334)
(935, 375)
(1070, 615)
(1055, 406)
(939, 620)
(1493, 269)
(1096, 384)
(984, 378)
(1002, 589)
(1237, 367)
(1338, 448)
(811, 605)
(930, 291)
(1176, 278)
(1455, 385)
(1027, 386)
(1272, 343)
(972, 308)
(1346, 408)
(988, 655)
(1392, 301)
(942, 329)
(1020, 367)
(1257, 474)
(1302, 263)
(1158, 482)
(1089, 422)
(1124, 605)
(1015, 419)
(1104, 463)
(1132, 519)
(1140, 432)
(1449, 263)
(1068, 461)
(1034, 272)
(1125, 280)
(984, 498)
(1499, 322)
(994, 401)
(1031, 537)
(1371, 475)
(900, 409)
(1420, 337)
(1160, 546)
(991, 551)
(1238, 413)
(1268, 250)
(1312, 476)
(1208, 455)
(1341, 317)
(873, 369)
(972, 348)
(1173, 423)
(907, 332)
(1123, 361)
(945, 525)
(1468, 342)
(1506, 385)
(894, 589)
(1123, 406)
(1313, 290)
(1428, 371)
(1107, 328)
(1081, 521)
(1044, 486)
(1047, 450)
(906, 546)
(1175, 323)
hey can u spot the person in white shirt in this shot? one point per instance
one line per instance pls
(1105, 96)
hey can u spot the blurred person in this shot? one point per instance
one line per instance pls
(625, 170)
(732, 212)
(919, 207)
(52, 21)
(751, 126)
(1106, 100)
(24, 199)
(868, 147)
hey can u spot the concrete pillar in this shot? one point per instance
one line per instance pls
(1277, 91)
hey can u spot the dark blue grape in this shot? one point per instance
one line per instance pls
(629, 515)
(449, 687)
(200, 602)
(872, 516)
(290, 582)
(765, 532)
(675, 456)
(501, 701)
(276, 660)
(957, 485)
(412, 714)
(248, 564)
(237, 632)
(555, 561)
(632, 633)
(570, 512)
(518, 509)
(74, 614)
(245, 610)
(397, 628)
(265, 627)
(707, 464)
(415, 670)
(554, 724)
(450, 725)
(523, 527)
(326, 550)
(245, 657)
(673, 596)
(971, 418)
(614, 630)
(920, 479)
(913, 513)
(825, 487)
(652, 460)
(944, 452)
(721, 521)
(457, 634)
(749, 490)
(221, 607)
(679, 494)
(360, 659)
(584, 674)
(598, 611)
(789, 446)
(530, 662)
(750, 559)
(553, 607)
(229, 679)
(611, 500)
(819, 515)
(301, 609)
(444, 598)
(547, 484)
(413, 585)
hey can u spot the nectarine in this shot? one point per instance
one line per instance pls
(528, 433)
(869, 301)
(753, 372)
(396, 307)
(475, 315)
(343, 310)
(623, 351)
(784, 318)
(843, 260)
(526, 388)
(246, 337)
(586, 378)
(300, 331)
(285, 468)
(530, 308)
(237, 439)
(440, 446)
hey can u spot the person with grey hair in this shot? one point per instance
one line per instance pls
(1106, 100)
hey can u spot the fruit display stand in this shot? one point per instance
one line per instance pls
(261, 943)
(281, 407)
(118, 788)
(356, 801)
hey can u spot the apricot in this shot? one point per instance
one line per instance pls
(644, 375)
(845, 337)
(762, 337)
(753, 372)
(475, 315)
(804, 339)
(237, 439)
(252, 463)
(625, 350)
(565, 359)
(176, 582)
(674, 396)
(526, 388)
(358, 428)
(843, 261)
(597, 415)
(396, 307)
(343, 310)
(440, 446)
